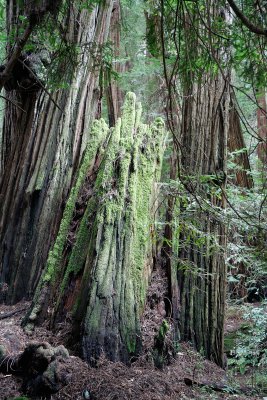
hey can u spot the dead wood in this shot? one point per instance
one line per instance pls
(9, 314)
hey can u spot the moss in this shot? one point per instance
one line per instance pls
(164, 327)
(230, 342)
(81, 246)
(125, 186)
(261, 381)
(19, 398)
(98, 134)
(113, 242)
(142, 194)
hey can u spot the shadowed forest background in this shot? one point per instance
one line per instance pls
(133, 199)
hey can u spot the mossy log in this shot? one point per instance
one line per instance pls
(98, 270)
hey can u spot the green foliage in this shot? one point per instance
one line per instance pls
(250, 349)
(249, 49)
(142, 73)
(2, 30)
(19, 398)
(247, 233)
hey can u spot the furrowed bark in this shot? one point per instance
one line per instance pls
(236, 142)
(201, 265)
(114, 94)
(262, 126)
(100, 273)
(42, 147)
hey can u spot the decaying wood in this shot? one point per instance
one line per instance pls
(44, 369)
(98, 271)
(9, 314)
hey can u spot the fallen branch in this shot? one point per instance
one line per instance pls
(9, 314)
(218, 387)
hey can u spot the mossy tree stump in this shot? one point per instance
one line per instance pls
(99, 267)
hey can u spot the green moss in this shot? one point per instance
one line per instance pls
(19, 398)
(142, 192)
(98, 134)
(261, 381)
(164, 327)
(125, 190)
(230, 341)
(113, 242)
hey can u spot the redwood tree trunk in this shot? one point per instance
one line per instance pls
(42, 147)
(262, 125)
(114, 94)
(201, 265)
(198, 240)
(236, 142)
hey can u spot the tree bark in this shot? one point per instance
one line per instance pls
(236, 142)
(42, 146)
(262, 126)
(201, 265)
(98, 271)
(114, 94)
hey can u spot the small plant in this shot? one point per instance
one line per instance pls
(251, 344)
(19, 398)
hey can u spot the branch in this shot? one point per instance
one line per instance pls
(41, 84)
(253, 28)
(9, 314)
(12, 102)
(4, 76)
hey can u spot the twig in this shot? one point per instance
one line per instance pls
(4, 76)
(40, 83)
(12, 102)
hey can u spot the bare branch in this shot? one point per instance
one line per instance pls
(12, 102)
(4, 76)
(41, 84)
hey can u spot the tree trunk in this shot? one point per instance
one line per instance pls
(262, 125)
(201, 265)
(42, 146)
(236, 142)
(114, 94)
(98, 271)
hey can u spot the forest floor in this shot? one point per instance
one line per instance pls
(188, 376)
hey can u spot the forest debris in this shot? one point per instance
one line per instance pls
(219, 387)
(9, 314)
(43, 368)
(110, 381)
(160, 351)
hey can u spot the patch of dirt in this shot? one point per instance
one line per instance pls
(115, 381)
